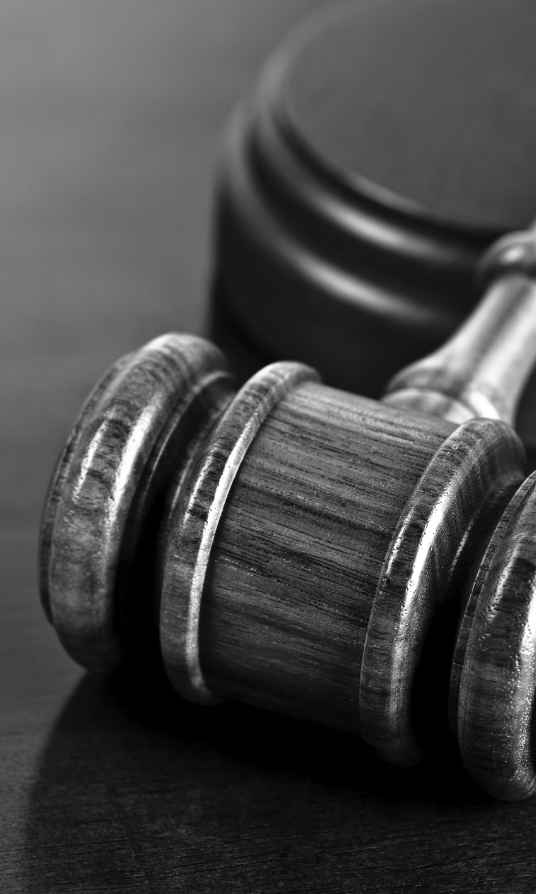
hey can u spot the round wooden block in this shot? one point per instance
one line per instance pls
(386, 146)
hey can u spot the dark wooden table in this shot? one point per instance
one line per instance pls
(111, 113)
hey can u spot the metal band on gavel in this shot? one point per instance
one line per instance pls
(296, 547)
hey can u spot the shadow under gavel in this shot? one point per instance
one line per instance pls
(294, 545)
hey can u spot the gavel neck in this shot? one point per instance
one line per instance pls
(436, 403)
(482, 370)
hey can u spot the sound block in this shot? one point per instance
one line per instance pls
(384, 148)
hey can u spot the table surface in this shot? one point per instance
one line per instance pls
(111, 114)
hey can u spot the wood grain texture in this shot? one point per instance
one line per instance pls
(189, 529)
(498, 677)
(300, 548)
(470, 477)
(135, 429)
(310, 538)
(481, 371)
(111, 112)
(473, 589)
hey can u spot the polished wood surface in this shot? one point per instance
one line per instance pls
(111, 783)
(494, 668)
(294, 545)
(301, 548)
(483, 369)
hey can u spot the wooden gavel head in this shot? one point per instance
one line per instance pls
(296, 547)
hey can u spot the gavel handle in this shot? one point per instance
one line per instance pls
(482, 370)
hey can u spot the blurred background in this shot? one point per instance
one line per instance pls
(111, 113)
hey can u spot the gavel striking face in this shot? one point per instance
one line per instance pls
(294, 545)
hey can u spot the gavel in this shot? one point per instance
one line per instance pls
(294, 545)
